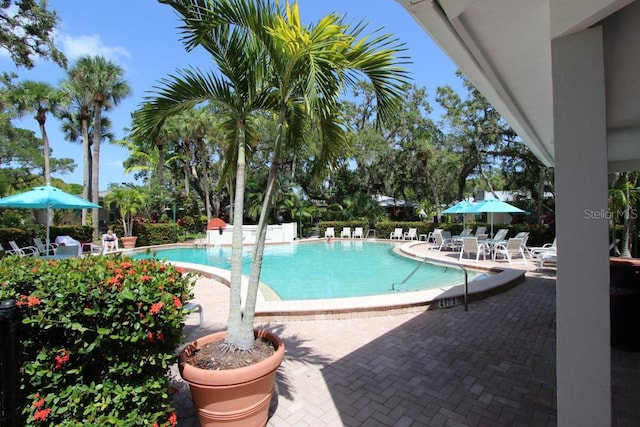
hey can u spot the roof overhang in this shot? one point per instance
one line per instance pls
(504, 48)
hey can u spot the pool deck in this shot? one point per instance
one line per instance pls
(493, 365)
(269, 308)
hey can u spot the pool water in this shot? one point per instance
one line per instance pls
(323, 270)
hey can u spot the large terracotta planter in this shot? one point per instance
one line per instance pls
(232, 397)
(129, 242)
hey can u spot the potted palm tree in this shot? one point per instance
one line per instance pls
(268, 62)
(129, 200)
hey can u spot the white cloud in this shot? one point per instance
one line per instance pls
(76, 47)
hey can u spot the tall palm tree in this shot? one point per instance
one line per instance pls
(40, 98)
(302, 70)
(101, 80)
(79, 110)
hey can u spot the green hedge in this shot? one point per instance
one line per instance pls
(98, 335)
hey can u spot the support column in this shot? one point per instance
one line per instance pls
(582, 304)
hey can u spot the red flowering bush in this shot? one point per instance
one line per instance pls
(98, 336)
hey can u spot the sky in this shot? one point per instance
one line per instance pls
(141, 36)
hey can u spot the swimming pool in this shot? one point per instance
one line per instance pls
(322, 270)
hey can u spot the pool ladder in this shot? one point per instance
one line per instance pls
(444, 264)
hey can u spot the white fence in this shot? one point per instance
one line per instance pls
(283, 233)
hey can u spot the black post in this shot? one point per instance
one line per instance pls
(9, 384)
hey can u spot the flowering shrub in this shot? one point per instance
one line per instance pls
(98, 336)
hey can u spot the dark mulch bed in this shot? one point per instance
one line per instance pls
(216, 356)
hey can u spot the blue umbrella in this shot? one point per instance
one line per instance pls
(46, 197)
(494, 205)
(462, 207)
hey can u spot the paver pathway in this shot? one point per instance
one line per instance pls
(493, 365)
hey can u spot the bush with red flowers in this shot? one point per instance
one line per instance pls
(97, 338)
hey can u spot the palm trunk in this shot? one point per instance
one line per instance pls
(246, 330)
(95, 172)
(234, 337)
(86, 159)
(46, 152)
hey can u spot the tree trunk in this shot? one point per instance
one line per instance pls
(95, 171)
(540, 201)
(86, 167)
(234, 337)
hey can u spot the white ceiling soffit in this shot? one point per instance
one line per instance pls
(504, 48)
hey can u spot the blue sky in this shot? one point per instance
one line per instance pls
(141, 37)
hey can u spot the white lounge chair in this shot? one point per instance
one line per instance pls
(8, 251)
(23, 251)
(358, 233)
(346, 232)
(397, 234)
(109, 245)
(512, 248)
(548, 256)
(443, 241)
(480, 230)
(412, 234)
(471, 245)
(536, 251)
(430, 236)
(45, 249)
(329, 233)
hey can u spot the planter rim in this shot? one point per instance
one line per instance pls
(194, 375)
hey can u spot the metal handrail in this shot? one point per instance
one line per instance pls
(446, 264)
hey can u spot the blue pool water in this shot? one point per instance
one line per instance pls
(322, 270)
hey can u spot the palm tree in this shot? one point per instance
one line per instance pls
(40, 98)
(100, 80)
(79, 110)
(262, 49)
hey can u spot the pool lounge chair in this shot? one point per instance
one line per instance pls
(329, 233)
(535, 252)
(412, 234)
(346, 232)
(23, 251)
(548, 256)
(45, 249)
(443, 241)
(7, 251)
(358, 233)
(397, 234)
(479, 231)
(109, 245)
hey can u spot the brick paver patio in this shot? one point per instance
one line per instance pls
(493, 365)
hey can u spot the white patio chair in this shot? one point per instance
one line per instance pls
(8, 251)
(443, 241)
(23, 251)
(480, 230)
(512, 248)
(431, 235)
(346, 232)
(471, 245)
(397, 234)
(329, 233)
(535, 252)
(45, 249)
(548, 256)
(412, 234)
(358, 233)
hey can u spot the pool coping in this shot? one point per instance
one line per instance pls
(379, 305)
